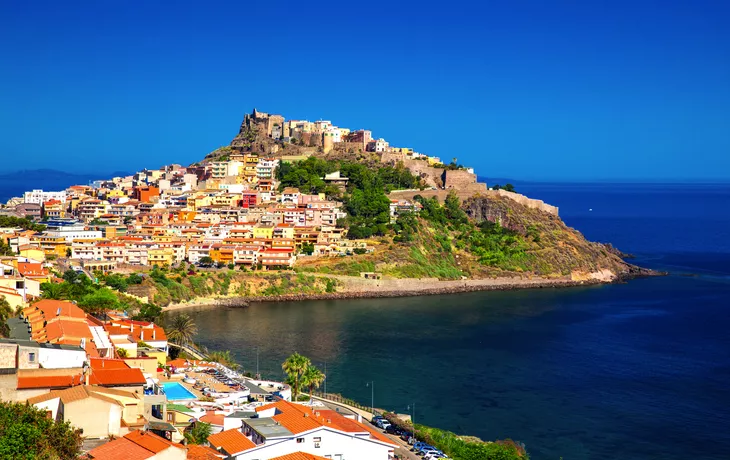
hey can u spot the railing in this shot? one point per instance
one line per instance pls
(338, 398)
(195, 353)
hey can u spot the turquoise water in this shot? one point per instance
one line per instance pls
(176, 392)
(632, 371)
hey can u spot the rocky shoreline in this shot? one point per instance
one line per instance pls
(467, 286)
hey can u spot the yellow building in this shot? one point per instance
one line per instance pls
(116, 193)
(222, 254)
(33, 252)
(263, 232)
(160, 256)
(283, 231)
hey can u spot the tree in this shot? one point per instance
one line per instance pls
(6, 311)
(181, 330)
(312, 378)
(99, 301)
(294, 366)
(206, 260)
(53, 291)
(148, 312)
(27, 433)
(198, 433)
(509, 187)
(307, 248)
(122, 353)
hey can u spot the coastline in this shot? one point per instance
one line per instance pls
(358, 288)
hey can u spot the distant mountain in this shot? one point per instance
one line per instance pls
(15, 183)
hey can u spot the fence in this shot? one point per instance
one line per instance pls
(338, 398)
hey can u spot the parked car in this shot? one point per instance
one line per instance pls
(420, 445)
(392, 429)
(376, 419)
(431, 452)
(384, 424)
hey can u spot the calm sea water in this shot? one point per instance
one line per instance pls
(631, 371)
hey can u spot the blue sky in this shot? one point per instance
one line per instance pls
(521, 89)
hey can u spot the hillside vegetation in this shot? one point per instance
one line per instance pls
(482, 237)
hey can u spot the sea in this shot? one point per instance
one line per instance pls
(639, 370)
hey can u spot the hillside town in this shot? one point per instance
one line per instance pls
(133, 393)
(228, 210)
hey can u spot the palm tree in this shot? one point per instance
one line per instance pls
(294, 366)
(181, 330)
(312, 378)
(53, 291)
(198, 433)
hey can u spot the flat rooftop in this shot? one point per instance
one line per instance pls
(267, 427)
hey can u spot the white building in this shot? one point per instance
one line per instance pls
(40, 197)
(70, 230)
(284, 428)
(266, 167)
(381, 145)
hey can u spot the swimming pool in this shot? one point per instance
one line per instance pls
(177, 392)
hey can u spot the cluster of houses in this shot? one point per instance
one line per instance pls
(107, 377)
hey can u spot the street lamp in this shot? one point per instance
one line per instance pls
(371, 384)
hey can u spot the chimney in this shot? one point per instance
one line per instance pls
(153, 334)
(141, 335)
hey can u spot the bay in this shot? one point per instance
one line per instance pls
(632, 371)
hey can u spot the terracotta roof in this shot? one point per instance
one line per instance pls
(74, 394)
(232, 441)
(299, 456)
(213, 419)
(58, 329)
(49, 308)
(49, 381)
(196, 452)
(149, 441)
(31, 269)
(137, 445)
(116, 377)
(340, 422)
(121, 449)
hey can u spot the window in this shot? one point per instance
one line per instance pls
(31, 357)
(300, 440)
(317, 439)
(169, 417)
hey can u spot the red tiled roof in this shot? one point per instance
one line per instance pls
(137, 445)
(31, 269)
(121, 449)
(197, 452)
(49, 381)
(117, 377)
(213, 419)
(299, 456)
(232, 441)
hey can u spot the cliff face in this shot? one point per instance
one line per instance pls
(554, 248)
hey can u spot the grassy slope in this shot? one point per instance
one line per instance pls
(540, 245)
(180, 288)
